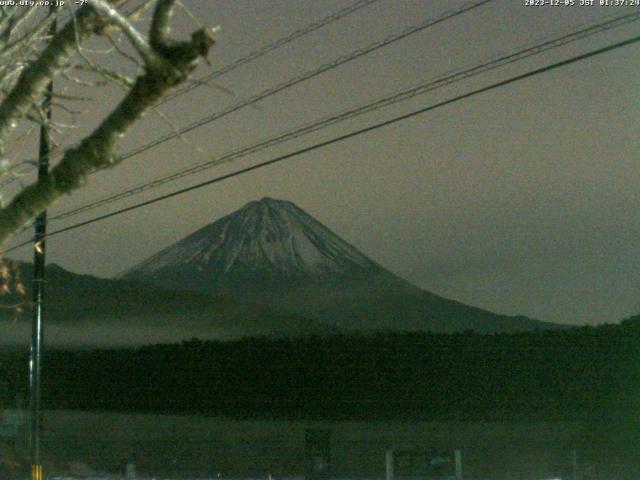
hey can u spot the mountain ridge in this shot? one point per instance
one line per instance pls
(275, 254)
(83, 311)
(266, 238)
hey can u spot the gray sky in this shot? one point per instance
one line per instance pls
(521, 201)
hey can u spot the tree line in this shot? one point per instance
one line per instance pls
(574, 373)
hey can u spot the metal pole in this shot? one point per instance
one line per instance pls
(35, 361)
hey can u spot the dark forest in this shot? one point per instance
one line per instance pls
(587, 372)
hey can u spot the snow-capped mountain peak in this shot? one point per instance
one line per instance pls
(268, 237)
(274, 256)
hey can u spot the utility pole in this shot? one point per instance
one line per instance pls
(35, 361)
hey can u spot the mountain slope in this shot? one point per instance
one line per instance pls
(83, 310)
(266, 244)
(272, 253)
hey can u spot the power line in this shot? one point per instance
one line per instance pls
(299, 79)
(404, 94)
(280, 42)
(428, 23)
(268, 48)
(305, 76)
(341, 138)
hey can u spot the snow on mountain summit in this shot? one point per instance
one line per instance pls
(274, 257)
(272, 237)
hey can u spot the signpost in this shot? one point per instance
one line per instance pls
(423, 464)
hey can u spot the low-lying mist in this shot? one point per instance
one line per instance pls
(109, 333)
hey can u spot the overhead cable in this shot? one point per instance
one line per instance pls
(280, 42)
(387, 100)
(344, 137)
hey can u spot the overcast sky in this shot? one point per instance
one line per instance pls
(522, 200)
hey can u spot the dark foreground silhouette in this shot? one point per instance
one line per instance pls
(588, 372)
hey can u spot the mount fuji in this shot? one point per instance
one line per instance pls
(273, 254)
(266, 245)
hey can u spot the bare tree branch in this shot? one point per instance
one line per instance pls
(159, 35)
(166, 64)
(138, 40)
(35, 77)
